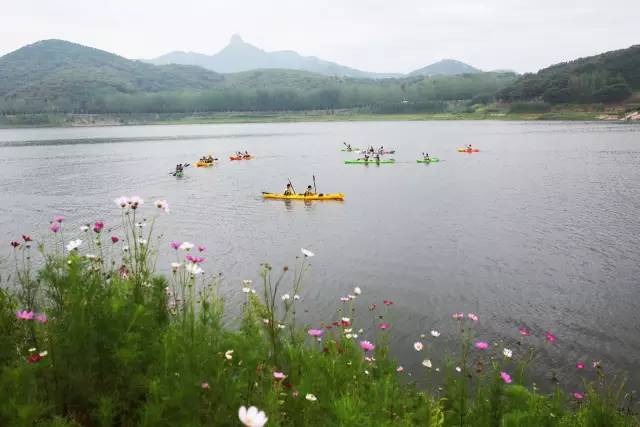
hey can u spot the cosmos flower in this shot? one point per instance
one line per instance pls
(435, 333)
(505, 377)
(418, 346)
(252, 417)
(307, 253)
(507, 353)
(427, 363)
(74, 244)
(367, 346)
(481, 345)
(311, 397)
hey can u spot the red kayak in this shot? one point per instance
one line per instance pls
(466, 150)
(240, 157)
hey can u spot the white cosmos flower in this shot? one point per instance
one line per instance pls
(418, 346)
(346, 319)
(281, 326)
(458, 369)
(435, 333)
(286, 297)
(252, 417)
(125, 249)
(140, 224)
(135, 202)
(228, 354)
(427, 363)
(246, 289)
(296, 297)
(247, 282)
(307, 252)
(43, 353)
(142, 241)
(347, 330)
(348, 336)
(357, 290)
(311, 397)
(351, 296)
(175, 266)
(194, 269)
(122, 202)
(508, 353)
(32, 349)
(162, 204)
(186, 246)
(84, 228)
(74, 244)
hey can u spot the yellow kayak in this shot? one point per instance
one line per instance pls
(202, 164)
(328, 196)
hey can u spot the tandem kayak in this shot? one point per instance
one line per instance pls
(366, 162)
(377, 152)
(352, 149)
(328, 196)
(431, 160)
(202, 164)
(466, 150)
(240, 157)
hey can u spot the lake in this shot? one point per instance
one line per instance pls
(539, 229)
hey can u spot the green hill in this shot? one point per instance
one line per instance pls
(608, 78)
(55, 75)
(58, 76)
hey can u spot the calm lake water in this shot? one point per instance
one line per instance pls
(540, 229)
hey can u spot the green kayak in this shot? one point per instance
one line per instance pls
(431, 160)
(366, 162)
(179, 174)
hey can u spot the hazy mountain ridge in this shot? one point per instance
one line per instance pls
(239, 56)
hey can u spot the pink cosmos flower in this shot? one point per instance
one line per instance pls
(550, 337)
(55, 227)
(15, 243)
(315, 332)
(458, 316)
(59, 219)
(115, 239)
(481, 345)
(98, 226)
(580, 365)
(26, 238)
(472, 317)
(387, 302)
(367, 346)
(399, 369)
(194, 259)
(175, 245)
(505, 377)
(384, 326)
(524, 331)
(205, 386)
(201, 248)
(279, 376)
(42, 318)
(24, 315)
(578, 395)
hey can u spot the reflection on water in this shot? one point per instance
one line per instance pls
(538, 229)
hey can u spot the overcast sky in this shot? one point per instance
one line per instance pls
(372, 35)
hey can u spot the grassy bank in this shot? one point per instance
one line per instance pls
(79, 120)
(96, 337)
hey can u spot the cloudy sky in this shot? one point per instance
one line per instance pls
(373, 35)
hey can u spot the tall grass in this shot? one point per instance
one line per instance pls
(95, 337)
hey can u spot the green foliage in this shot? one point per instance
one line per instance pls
(123, 346)
(529, 107)
(609, 77)
(60, 77)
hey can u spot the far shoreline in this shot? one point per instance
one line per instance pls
(140, 119)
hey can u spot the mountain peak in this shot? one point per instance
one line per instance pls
(236, 39)
(449, 67)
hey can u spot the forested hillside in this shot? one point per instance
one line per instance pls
(57, 76)
(609, 77)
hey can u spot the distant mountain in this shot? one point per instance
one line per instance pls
(445, 67)
(609, 78)
(61, 75)
(240, 56)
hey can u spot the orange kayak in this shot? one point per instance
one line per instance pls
(240, 157)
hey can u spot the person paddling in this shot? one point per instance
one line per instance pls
(309, 191)
(426, 156)
(289, 190)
